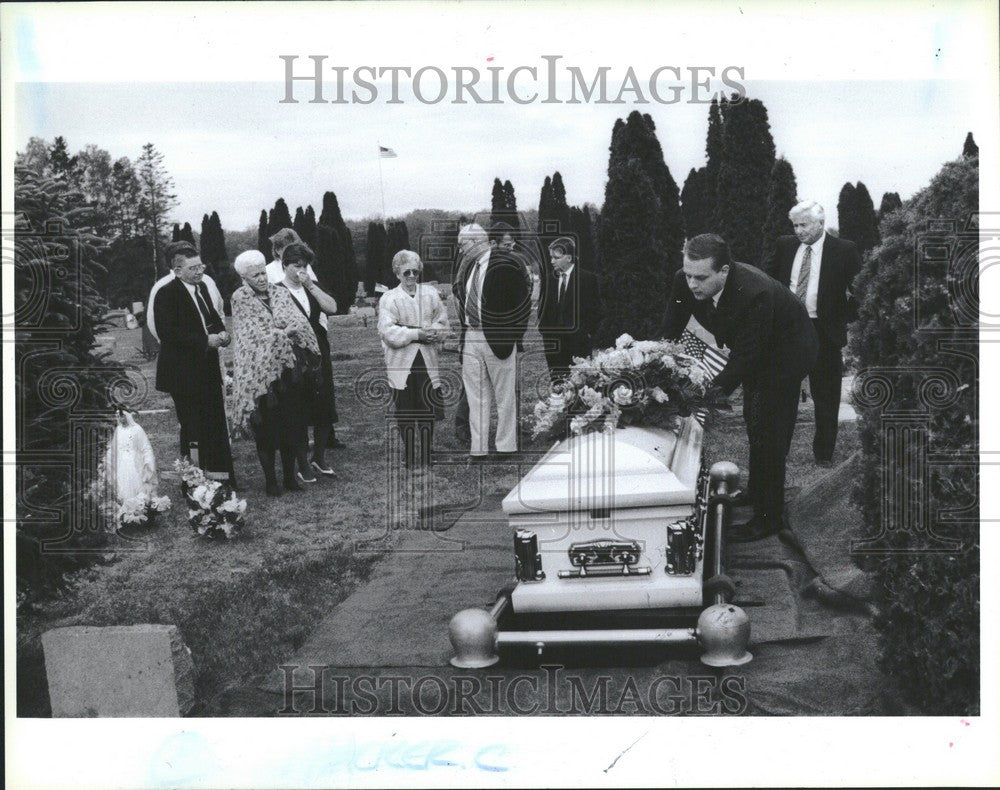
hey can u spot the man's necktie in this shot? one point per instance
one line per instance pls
(212, 321)
(472, 299)
(710, 315)
(562, 285)
(803, 284)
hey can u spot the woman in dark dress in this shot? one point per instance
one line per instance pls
(274, 349)
(315, 304)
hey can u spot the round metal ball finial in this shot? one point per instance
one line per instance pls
(724, 632)
(724, 471)
(473, 635)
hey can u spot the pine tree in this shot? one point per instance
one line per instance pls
(890, 202)
(694, 204)
(187, 233)
(781, 197)
(60, 162)
(744, 174)
(560, 209)
(263, 240)
(969, 150)
(583, 230)
(175, 234)
(867, 222)
(335, 254)
(510, 204)
(848, 223)
(156, 201)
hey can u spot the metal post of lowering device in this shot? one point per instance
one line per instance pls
(723, 628)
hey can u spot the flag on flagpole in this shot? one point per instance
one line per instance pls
(386, 153)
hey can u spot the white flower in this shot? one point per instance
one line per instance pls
(659, 395)
(624, 340)
(622, 395)
(636, 358)
(233, 505)
(577, 424)
(160, 504)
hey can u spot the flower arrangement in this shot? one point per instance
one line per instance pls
(638, 382)
(214, 511)
(141, 509)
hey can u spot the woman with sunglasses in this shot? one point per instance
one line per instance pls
(412, 321)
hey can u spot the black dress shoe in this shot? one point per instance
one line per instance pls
(291, 484)
(335, 444)
(824, 463)
(755, 529)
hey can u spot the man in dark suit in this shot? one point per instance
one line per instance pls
(569, 311)
(494, 302)
(773, 347)
(191, 334)
(819, 269)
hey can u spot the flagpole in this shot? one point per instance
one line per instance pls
(381, 188)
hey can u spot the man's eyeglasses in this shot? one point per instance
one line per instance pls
(411, 273)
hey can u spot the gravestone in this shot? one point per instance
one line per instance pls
(118, 671)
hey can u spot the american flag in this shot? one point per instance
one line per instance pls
(386, 153)
(711, 358)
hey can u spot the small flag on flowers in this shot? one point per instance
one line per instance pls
(386, 153)
(711, 358)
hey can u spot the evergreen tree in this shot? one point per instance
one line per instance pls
(545, 207)
(299, 222)
(60, 162)
(781, 197)
(510, 203)
(308, 233)
(175, 234)
(714, 148)
(868, 236)
(279, 217)
(890, 202)
(969, 150)
(583, 230)
(744, 174)
(156, 201)
(263, 240)
(335, 254)
(498, 203)
(694, 203)
(848, 224)
(375, 256)
(187, 233)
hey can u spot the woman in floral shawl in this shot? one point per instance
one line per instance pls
(275, 355)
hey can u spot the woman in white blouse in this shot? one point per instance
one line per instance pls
(412, 322)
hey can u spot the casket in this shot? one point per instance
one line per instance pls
(611, 521)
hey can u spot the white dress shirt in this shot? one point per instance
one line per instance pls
(479, 270)
(814, 268)
(563, 282)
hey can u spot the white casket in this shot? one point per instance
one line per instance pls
(618, 520)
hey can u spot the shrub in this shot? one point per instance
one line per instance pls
(918, 324)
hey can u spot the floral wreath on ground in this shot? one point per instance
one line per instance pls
(652, 383)
(136, 511)
(214, 511)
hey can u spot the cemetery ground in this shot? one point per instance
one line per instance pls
(246, 605)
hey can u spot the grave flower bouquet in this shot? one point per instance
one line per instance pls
(652, 383)
(142, 509)
(214, 511)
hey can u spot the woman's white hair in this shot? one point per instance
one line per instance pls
(247, 260)
(404, 257)
(809, 208)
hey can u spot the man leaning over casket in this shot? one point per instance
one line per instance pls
(773, 346)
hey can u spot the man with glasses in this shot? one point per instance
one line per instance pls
(494, 302)
(191, 333)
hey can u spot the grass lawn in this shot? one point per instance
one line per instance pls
(244, 606)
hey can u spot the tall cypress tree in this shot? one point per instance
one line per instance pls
(970, 149)
(377, 243)
(781, 197)
(560, 208)
(263, 241)
(741, 190)
(848, 224)
(336, 248)
(298, 224)
(279, 217)
(308, 233)
(498, 203)
(694, 203)
(510, 205)
(640, 234)
(582, 228)
(175, 234)
(714, 148)
(187, 233)
(867, 222)
(398, 238)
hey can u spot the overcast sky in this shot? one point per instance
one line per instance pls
(234, 148)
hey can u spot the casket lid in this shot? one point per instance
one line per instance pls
(629, 467)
